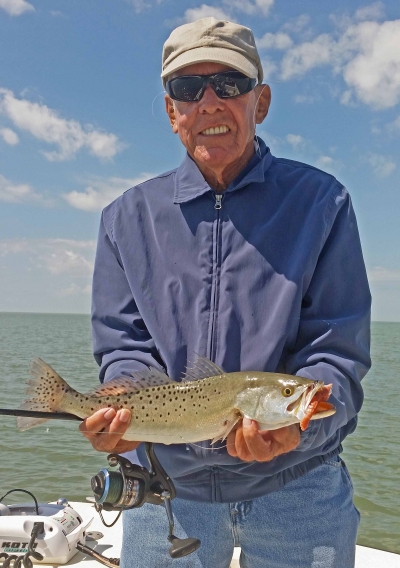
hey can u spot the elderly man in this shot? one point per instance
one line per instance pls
(254, 262)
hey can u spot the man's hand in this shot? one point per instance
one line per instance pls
(248, 443)
(104, 430)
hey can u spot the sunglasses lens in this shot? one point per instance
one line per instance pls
(186, 88)
(190, 88)
(232, 85)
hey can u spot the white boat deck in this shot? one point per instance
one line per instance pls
(110, 544)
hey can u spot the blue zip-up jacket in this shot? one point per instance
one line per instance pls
(270, 277)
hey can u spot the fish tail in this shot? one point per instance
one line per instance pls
(46, 391)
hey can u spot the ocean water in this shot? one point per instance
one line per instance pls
(54, 460)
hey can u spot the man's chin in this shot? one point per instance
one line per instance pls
(213, 158)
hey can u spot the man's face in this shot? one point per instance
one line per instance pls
(233, 118)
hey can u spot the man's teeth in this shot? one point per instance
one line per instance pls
(216, 130)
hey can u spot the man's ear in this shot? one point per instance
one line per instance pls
(263, 93)
(170, 109)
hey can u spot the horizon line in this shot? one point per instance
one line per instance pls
(88, 314)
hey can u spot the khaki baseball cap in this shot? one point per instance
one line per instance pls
(217, 41)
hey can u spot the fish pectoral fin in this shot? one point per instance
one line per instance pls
(140, 380)
(227, 428)
(202, 368)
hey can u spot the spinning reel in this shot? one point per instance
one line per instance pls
(132, 485)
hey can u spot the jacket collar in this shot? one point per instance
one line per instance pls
(190, 183)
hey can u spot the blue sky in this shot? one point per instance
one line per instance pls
(82, 120)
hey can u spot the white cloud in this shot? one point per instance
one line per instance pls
(382, 274)
(367, 55)
(328, 163)
(76, 290)
(382, 166)
(305, 56)
(46, 124)
(16, 7)
(205, 11)
(279, 40)
(9, 136)
(308, 99)
(101, 192)
(374, 11)
(11, 192)
(250, 6)
(139, 5)
(395, 125)
(297, 24)
(295, 140)
(57, 14)
(374, 72)
(269, 67)
(46, 275)
(273, 142)
(324, 161)
(264, 5)
(57, 256)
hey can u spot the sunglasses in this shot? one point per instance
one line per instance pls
(226, 85)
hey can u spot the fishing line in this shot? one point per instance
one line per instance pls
(256, 144)
(165, 435)
(155, 117)
(67, 416)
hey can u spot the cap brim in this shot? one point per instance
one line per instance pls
(228, 57)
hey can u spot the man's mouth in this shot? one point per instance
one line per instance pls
(222, 129)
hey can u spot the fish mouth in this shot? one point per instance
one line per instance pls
(312, 404)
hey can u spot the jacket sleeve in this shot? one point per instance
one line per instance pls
(333, 337)
(121, 341)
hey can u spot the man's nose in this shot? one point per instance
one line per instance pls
(209, 102)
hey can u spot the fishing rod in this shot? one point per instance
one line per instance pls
(38, 414)
(129, 487)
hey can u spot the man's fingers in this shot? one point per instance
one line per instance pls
(97, 422)
(260, 449)
(105, 428)
(231, 443)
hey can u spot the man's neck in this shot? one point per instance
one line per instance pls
(219, 179)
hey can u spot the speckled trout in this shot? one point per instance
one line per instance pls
(205, 405)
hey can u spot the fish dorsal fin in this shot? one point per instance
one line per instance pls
(202, 369)
(140, 380)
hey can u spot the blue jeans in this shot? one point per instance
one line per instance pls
(310, 523)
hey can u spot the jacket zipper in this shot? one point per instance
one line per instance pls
(217, 206)
(218, 201)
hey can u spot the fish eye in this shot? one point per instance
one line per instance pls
(288, 391)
